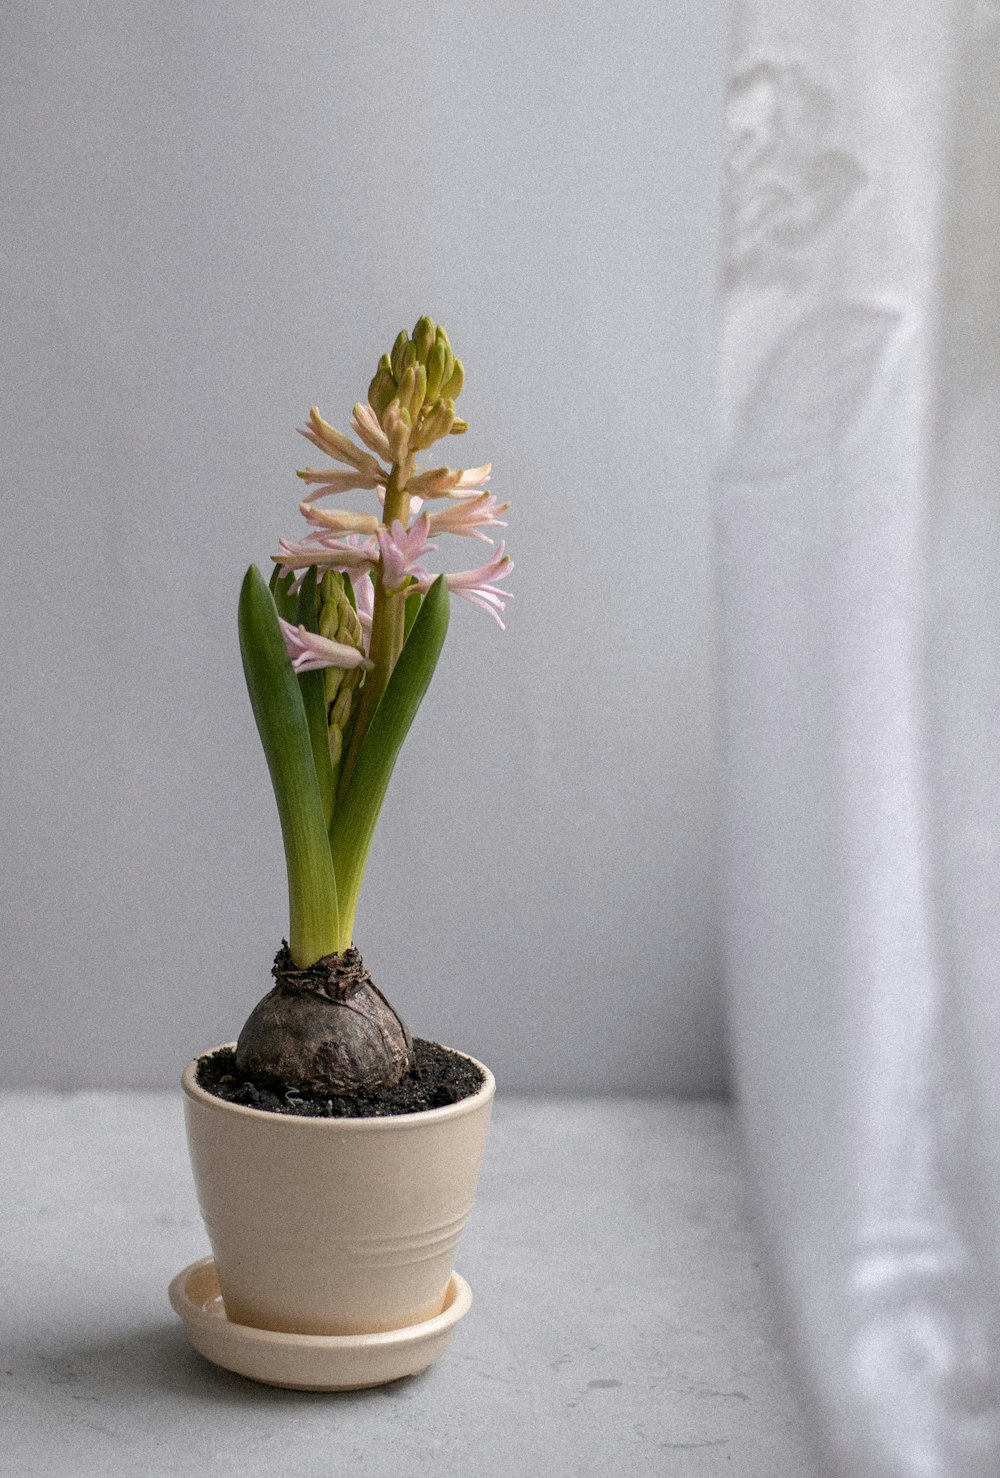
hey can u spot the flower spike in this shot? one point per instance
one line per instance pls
(358, 606)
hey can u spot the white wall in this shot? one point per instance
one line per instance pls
(218, 214)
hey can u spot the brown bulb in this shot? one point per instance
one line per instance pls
(325, 1030)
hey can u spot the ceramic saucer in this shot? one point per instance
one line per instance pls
(310, 1362)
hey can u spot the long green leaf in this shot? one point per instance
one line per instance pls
(358, 809)
(276, 699)
(313, 698)
(410, 612)
(280, 587)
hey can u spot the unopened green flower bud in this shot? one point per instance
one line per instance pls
(437, 423)
(423, 337)
(397, 424)
(407, 385)
(441, 337)
(331, 593)
(340, 714)
(398, 350)
(437, 364)
(453, 388)
(341, 709)
(340, 692)
(329, 622)
(381, 392)
(338, 621)
(412, 388)
(349, 630)
(457, 427)
(419, 390)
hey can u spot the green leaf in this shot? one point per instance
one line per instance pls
(413, 603)
(313, 697)
(280, 587)
(276, 699)
(358, 809)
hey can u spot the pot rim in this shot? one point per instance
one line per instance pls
(371, 1124)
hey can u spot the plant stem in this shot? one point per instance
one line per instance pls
(388, 613)
(354, 820)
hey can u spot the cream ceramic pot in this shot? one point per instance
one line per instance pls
(334, 1226)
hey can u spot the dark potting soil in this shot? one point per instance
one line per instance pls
(436, 1077)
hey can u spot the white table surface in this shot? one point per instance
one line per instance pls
(620, 1325)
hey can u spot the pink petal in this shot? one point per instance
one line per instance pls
(309, 651)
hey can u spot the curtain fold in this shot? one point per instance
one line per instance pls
(858, 505)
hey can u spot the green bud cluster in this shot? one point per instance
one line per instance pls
(338, 621)
(416, 386)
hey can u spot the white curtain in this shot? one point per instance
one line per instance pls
(859, 522)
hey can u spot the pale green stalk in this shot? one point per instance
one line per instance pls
(388, 616)
(358, 808)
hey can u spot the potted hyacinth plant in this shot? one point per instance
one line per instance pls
(335, 1156)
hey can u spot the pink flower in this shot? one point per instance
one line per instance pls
(364, 594)
(366, 428)
(365, 471)
(400, 549)
(326, 553)
(469, 517)
(477, 587)
(335, 521)
(340, 447)
(448, 482)
(331, 482)
(309, 651)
